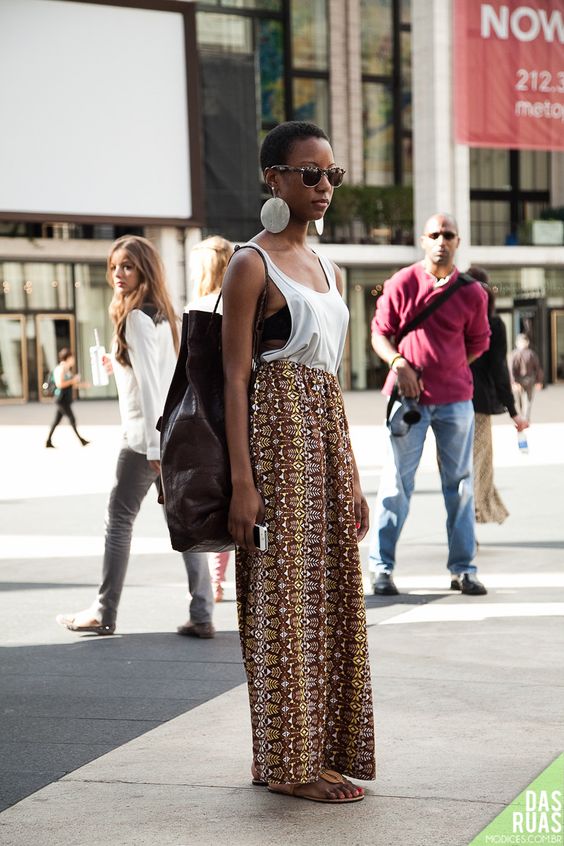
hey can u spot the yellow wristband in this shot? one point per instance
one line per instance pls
(394, 359)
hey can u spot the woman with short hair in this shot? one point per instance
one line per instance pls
(301, 606)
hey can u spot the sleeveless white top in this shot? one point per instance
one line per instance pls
(319, 320)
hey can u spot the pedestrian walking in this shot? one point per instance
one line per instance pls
(492, 395)
(526, 375)
(301, 606)
(208, 263)
(431, 365)
(65, 379)
(143, 358)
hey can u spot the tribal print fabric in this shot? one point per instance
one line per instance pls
(301, 607)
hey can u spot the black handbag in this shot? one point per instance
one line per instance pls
(195, 471)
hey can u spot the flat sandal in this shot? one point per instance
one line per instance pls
(330, 776)
(95, 627)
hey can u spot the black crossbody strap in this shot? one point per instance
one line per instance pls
(463, 279)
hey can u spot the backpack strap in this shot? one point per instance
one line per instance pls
(261, 305)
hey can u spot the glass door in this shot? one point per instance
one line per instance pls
(13, 361)
(53, 333)
(557, 334)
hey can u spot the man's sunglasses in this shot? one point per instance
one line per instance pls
(311, 176)
(448, 235)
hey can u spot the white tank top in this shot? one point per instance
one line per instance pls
(319, 320)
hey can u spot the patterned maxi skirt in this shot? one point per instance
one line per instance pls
(487, 501)
(302, 617)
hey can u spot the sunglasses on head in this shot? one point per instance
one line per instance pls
(448, 235)
(311, 176)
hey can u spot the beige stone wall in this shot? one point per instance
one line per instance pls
(345, 91)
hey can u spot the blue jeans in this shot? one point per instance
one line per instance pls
(453, 427)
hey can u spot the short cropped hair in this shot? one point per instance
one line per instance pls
(278, 144)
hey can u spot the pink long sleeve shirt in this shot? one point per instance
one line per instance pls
(440, 346)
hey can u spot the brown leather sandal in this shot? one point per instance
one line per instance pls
(330, 776)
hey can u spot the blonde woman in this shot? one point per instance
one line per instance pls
(143, 358)
(208, 263)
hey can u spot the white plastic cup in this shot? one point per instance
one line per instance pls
(97, 353)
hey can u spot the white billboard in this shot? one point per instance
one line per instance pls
(95, 122)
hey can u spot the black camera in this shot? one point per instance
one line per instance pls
(410, 410)
(404, 413)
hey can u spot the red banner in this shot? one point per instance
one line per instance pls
(509, 73)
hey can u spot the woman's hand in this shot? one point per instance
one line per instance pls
(155, 465)
(246, 509)
(520, 423)
(361, 511)
(107, 364)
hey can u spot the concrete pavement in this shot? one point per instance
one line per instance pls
(143, 738)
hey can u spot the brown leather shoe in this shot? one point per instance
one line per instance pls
(203, 630)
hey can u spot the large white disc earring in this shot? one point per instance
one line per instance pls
(275, 215)
(319, 226)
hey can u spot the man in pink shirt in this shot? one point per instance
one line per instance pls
(430, 364)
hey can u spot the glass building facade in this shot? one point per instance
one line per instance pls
(347, 66)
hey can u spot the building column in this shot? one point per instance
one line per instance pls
(191, 237)
(169, 241)
(354, 92)
(556, 179)
(345, 87)
(441, 168)
(338, 130)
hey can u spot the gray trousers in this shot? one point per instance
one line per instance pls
(134, 477)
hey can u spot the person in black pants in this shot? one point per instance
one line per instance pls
(64, 381)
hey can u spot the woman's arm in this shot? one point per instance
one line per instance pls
(498, 366)
(361, 510)
(500, 372)
(141, 337)
(242, 288)
(60, 381)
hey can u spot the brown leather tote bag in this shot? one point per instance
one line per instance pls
(195, 471)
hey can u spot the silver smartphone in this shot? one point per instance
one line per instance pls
(260, 537)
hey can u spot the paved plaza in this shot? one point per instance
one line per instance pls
(143, 738)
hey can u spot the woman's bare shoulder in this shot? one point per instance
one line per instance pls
(246, 271)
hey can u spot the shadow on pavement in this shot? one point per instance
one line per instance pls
(378, 601)
(523, 544)
(6, 587)
(64, 705)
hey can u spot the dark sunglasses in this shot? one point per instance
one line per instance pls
(311, 176)
(448, 235)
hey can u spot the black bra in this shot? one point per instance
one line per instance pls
(278, 326)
